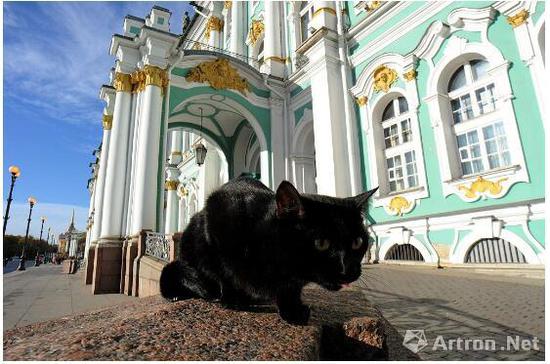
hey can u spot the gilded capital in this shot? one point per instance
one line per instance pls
(107, 121)
(518, 19)
(122, 82)
(227, 4)
(362, 100)
(256, 30)
(155, 76)
(138, 81)
(171, 185)
(410, 75)
(214, 24)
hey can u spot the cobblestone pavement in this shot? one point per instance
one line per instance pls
(458, 304)
(43, 293)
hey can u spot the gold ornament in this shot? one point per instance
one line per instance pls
(398, 205)
(138, 81)
(122, 82)
(482, 186)
(213, 24)
(384, 78)
(372, 5)
(107, 121)
(171, 185)
(322, 10)
(155, 76)
(227, 4)
(256, 30)
(362, 100)
(518, 19)
(410, 75)
(219, 74)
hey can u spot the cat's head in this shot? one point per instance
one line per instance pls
(327, 234)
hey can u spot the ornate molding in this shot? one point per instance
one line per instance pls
(410, 75)
(482, 188)
(362, 100)
(322, 10)
(518, 19)
(138, 81)
(373, 5)
(384, 78)
(155, 76)
(256, 30)
(399, 205)
(219, 74)
(171, 185)
(107, 122)
(122, 82)
(182, 191)
(214, 24)
(276, 59)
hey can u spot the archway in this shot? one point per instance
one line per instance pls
(303, 155)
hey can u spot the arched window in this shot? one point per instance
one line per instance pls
(399, 153)
(480, 133)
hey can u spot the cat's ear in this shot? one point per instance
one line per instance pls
(288, 201)
(362, 199)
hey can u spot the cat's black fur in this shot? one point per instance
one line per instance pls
(250, 243)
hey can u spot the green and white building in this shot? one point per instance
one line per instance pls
(440, 104)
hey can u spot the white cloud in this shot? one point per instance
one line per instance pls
(58, 217)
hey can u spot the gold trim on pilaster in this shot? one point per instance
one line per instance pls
(410, 75)
(214, 24)
(325, 9)
(171, 185)
(362, 100)
(518, 19)
(107, 122)
(256, 30)
(276, 59)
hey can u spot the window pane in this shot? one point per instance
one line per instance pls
(466, 168)
(496, 145)
(389, 161)
(392, 186)
(462, 142)
(458, 80)
(485, 98)
(478, 165)
(406, 133)
(467, 106)
(397, 159)
(304, 25)
(388, 111)
(472, 137)
(403, 106)
(479, 68)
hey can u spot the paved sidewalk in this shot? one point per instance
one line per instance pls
(43, 293)
(459, 304)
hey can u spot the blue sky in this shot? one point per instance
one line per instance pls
(56, 57)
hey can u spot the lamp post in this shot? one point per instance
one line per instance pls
(200, 149)
(15, 172)
(48, 244)
(37, 258)
(32, 201)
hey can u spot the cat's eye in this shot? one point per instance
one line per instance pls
(322, 244)
(357, 243)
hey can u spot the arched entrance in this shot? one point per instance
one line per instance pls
(404, 252)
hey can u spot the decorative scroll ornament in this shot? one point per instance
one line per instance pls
(214, 24)
(399, 205)
(518, 19)
(107, 121)
(384, 78)
(410, 75)
(362, 100)
(122, 82)
(256, 30)
(219, 74)
(156, 245)
(372, 5)
(227, 4)
(171, 185)
(482, 188)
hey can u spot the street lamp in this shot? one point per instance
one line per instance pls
(32, 201)
(15, 172)
(48, 244)
(200, 149)
(37, 258)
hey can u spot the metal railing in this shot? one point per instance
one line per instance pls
(494, 251)
(404, 252)
(157, 245)
(190, 44)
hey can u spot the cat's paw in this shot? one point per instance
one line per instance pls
(296, 315)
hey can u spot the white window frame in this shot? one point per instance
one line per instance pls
(457, 52)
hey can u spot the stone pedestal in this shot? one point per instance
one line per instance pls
(107, 267)
(89, 273)
(129, 256)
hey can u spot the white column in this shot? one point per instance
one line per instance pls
(172, 208)
(324, 15)
(237, 27)
(273, 41)
(111, 220)
(176, 144)
(329, 124)
(277, 141)
(147, 154)
(182, 210)
(108, 94)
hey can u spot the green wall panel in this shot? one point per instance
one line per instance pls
(537, 229)
(442, 237)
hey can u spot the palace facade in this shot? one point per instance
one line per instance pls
(440, 104)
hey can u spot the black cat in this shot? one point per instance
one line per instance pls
(250, 243)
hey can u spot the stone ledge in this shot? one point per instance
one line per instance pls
(343, 326)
